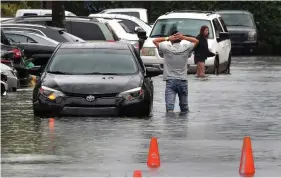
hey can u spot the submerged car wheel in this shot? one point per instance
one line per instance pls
(216, 66)
(2, 89)
(228, 65)
(145, 110)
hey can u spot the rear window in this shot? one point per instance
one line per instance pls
(93, 61)
(87, 31)
(30, 14)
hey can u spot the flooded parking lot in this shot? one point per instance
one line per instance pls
(206, 142)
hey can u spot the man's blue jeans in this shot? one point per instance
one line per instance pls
(174, 87)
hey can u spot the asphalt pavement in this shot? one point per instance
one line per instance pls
(207, 142)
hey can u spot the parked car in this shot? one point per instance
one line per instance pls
(13, 57)
(133, 24)
(29, 37)
(57, 34)
(93, 30)
(121, 31)
(4, 85)
(242, 29)
(12, 79)
(136, 12)
(189, 23)
(39, 54)
(38, 12)
(102, 78)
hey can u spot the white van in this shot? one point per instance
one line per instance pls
(189, 23)
(38, 12)
(136, 12)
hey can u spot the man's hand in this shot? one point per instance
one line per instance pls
(192, 40)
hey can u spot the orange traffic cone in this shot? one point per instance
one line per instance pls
(137, 174)
(153, 160)
(247, 167)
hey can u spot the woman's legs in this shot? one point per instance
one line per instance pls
(198, 69)
(202, 69)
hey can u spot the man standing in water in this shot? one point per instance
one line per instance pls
(176, 49)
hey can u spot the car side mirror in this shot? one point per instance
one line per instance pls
(153, 72)
(223, 36)
(137, 29)
(36, 70)
(142, 37)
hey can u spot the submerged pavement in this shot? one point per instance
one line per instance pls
(207, 142)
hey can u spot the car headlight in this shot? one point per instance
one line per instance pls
(50, 93)
(148, 51)
(132, 94)
(252, 36)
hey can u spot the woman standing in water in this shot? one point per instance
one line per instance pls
(202, 51)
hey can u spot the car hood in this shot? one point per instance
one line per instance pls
(91, 84)
(240, 29)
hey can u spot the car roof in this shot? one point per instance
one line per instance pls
(48, 17)
(31, 26)
(95, 45)
(233, 11)
(190, 15)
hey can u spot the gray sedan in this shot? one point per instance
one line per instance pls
(29, 37)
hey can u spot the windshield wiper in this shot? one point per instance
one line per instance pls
(159, 35)
(59, 72)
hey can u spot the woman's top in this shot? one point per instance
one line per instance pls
(201, 51)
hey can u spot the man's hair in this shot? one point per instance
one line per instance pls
(175, 32)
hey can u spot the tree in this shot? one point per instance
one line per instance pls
(58, 14)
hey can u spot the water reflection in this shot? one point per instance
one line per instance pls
(21, 136)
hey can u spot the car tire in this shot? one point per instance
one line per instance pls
(14, 89)
(2, 89)
(216, 66)
(145, 110)
(228, 65)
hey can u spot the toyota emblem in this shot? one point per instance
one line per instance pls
(90, 98)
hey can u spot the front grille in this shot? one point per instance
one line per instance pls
(238, 37)
(95, 95)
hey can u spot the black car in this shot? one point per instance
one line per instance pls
(242, 29)
(57, 34)
(88, 29)
(101, 78)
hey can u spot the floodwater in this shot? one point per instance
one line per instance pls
(207, 142)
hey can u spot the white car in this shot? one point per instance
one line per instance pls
(189, 23)
(140, 13)
(4, 85)
(121, 31)
(131, 22)
(12, 79)
(38, 12)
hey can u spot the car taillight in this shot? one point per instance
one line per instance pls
(17, 53)
(110, 40)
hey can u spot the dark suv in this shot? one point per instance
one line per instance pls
(88, 29)
(242, 29)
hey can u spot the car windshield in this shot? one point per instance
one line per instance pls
(237, 20)
(93, 61)
(190, 27)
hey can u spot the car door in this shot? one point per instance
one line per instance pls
(221, 43)
(227, 42)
